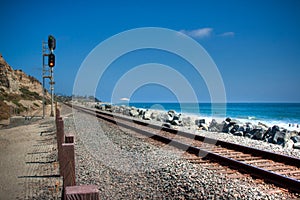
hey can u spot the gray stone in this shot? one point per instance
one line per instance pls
(238, 133)
(167, 125)
(204, 126)
(235, 128)
(233, 122)
(126, 112)
(274, 130)
(257, 134)
(214, 126)
(226, 127)
(278, 137)
(242, 129)
(186, 121)
(295, 139)
(289, 144)
(247, 134)
(154, 115)
(177, 117)
(176, 122)
(228, 119)
(141, 113)
(263, 125)
(163, 117)
(147, 115)
(133, 113)
(268, 134)
(296, 145)
(199, 121)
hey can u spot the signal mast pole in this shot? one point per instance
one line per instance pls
(51, 63)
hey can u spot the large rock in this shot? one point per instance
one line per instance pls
(174, 118)
(154, 115)
(295, 139)
(274, 129)
(134, 113)
(268, 134)
(203, 126)
(226, 127)
(186, 121)
(198, 122)
(278, 137)
(108, 107)
(289, 144)
(141, 113)
(176, 122)
(296, 145)
(163, 117)
(214, 126)
(263, 125)
(234, 128)
(171, 114)
(247, 129)
(126, 111)
(238, 133)
(228, 119)
(147, 115)
(242, 128)
(167, 125)
(257, 134)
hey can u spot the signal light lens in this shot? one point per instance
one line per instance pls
(51, 60)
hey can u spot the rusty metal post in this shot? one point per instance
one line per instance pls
(68, 164)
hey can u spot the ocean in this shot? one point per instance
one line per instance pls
(281, 114)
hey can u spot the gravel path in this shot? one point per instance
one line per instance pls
(126, 167)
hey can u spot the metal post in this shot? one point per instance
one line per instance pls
(52, 91)
(44, 71)
(51, 77)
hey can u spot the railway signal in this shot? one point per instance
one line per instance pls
(51, 63)
(51, 60)
(51, 42)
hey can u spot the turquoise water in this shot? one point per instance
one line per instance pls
(271, 113)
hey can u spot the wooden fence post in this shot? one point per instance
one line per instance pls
(68, 164)
(60, 139)
(57, 114)
(69, 138)
(82, 192)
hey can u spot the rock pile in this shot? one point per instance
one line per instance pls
(274, 134)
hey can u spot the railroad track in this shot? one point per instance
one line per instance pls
(281, 170)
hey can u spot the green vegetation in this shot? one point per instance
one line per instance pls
(28, 95)
(9, 97)
(15, 99)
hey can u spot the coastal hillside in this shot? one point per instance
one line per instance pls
(20, 94)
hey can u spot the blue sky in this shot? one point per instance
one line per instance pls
(255, 44)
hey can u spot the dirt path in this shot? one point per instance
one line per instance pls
(27, 157)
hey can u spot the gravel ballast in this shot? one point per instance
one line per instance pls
(127, 167)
